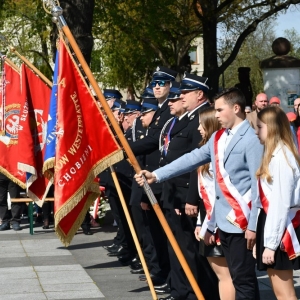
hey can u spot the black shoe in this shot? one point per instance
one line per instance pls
(16, 227)
(4, 226)
(110, 246)
(87, 232)
(113, 248)
(170, 298)
(137, 271)
(119, 252)
(125, 259)
(162, 289)
(136, 266)
(156, 280)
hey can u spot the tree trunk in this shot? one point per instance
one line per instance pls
(209, 27)
(79, 17)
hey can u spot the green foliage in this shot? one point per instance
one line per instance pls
(256, 48)
(294, 37)
(27, 28)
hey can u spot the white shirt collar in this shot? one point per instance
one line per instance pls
(190, 112)
(179, 118)
(161, 104)
(236, 128)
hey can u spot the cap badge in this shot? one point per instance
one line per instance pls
(157, 69)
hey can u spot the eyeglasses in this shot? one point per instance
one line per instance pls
(160, 83)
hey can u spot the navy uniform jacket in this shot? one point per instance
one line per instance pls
(149, 162)
(184, 138)
(124, 172)
(151, 141)
(139, 133)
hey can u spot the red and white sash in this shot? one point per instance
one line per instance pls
(289, 241)
(241, 205)
(206, 188)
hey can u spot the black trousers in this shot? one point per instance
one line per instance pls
(141, 223)
(241, 265)
(183, 228)
(159, 239)
(124, 236)
(6, 185)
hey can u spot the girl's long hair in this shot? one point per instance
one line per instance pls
(279, 131)
(210, 124)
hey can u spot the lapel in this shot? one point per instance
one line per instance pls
(179, 125)
(235, 139)
(158, 113)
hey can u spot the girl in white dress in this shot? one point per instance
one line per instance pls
(278, 229)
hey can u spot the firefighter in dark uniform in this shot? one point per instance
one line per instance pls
(179, 136)
(124, 171)
(152, 236)
(161, 83)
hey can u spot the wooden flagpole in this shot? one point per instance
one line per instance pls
(132, 230)
(26, 61)
(8, 61)
(58, 18)
(32, 67)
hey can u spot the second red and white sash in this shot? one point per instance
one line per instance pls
(289, 242)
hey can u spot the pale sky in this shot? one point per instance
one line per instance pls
(288, 21)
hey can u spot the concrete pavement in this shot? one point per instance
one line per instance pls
(39, 267)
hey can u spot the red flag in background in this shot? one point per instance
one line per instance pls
(10, 97)
(85, 147)
(32, 133)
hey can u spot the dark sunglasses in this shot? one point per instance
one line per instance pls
(160, 83)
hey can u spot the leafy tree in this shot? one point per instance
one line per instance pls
(24, 25)
(256, 48)
(237, 19)
(294, 37)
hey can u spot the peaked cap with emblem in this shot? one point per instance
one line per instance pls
(123, 107)
(174, 91)
(132, 106)
(148, 93)
(117, 105)
(191, 82)
(149, 104)
(111, 93)
(163, 73)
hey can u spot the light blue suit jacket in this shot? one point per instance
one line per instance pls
(241, 161)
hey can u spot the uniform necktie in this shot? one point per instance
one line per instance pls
(168, 137)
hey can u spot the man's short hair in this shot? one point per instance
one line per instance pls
(233, 96)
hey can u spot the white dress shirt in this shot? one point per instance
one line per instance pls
(283, 193)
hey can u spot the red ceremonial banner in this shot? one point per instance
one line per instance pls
(85, 147)
(32, 133)
(10, 95)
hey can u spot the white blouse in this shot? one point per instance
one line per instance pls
(283, 193)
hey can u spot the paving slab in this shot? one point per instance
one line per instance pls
(39, 267)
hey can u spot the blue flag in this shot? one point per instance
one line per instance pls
(52, 123)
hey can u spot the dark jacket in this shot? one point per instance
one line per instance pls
(185, 137)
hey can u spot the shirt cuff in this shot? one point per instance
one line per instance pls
(157, 179)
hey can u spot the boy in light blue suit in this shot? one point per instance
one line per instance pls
(235, 153)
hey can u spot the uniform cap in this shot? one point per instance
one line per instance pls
(163, 73)
(191, 82)
(111, 93)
